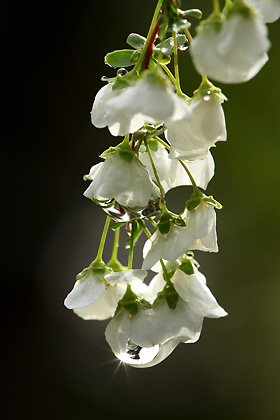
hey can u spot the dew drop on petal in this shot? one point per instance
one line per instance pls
(138, 355)
(207, 96)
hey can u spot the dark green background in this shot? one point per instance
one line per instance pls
(60, 367)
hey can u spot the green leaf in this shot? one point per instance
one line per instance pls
(187, 266)
(116, 225)
(197, 13)
(138, 229)
(167, 46)
(180, 24)
(119, 58)
(136, 41)
(162, 58)
(153, 145)
(155, 132)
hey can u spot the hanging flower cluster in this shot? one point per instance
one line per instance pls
(167, 142)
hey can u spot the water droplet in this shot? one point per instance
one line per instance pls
(121, 72)
(207, 96)
(185, 46)
(138, 355)
(125, 214)
(164, 50)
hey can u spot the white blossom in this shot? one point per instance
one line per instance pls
(199, 233)
(118, 335)
(155, 332)
(172, 174)
(128, 183)
(97, 296)
(235, 53)
(192, 139)
(151, 100)
(269, 9)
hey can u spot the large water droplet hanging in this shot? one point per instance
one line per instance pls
(137, 355)
(121, 72)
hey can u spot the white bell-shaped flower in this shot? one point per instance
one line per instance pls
(172, 174)
(235, 53)
(97, 296)
(151, 100)
(269, 9)
(127, 345)
(193, 290)
(127, 182)
(192, 139)
(199, 233)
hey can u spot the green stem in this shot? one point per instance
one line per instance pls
(114, 256)
(156, 176)
(189, 174)
(146, 230)
(182, 163)
(162, 142)
(188, 35)
(130, 257)
(103, 239)
(164, 269)
(176, 66)
(169, 73)
(216, 6)
(143, 52)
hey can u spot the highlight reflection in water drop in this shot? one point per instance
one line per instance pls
(207, 97)
(138, 355)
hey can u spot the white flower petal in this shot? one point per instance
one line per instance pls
(99, 108)
(128, 182)
(125, 277)
(105, 306)
(193, 290)
(234, 54)
(172, 174)
(117, 332)
(269, 9)
(85, 292)
(192, 139)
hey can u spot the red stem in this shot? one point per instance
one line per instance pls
(149, 50)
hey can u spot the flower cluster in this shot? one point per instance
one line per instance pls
(167, 140)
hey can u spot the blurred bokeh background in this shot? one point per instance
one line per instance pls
(58, 366)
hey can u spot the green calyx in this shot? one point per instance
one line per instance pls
(130, 302)
(168, 218)
(216, 20)
(124, 150)
(239, 7)
(97, 268)
(197, 197)
(205, 89)
(169, 294)
(187, 266)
